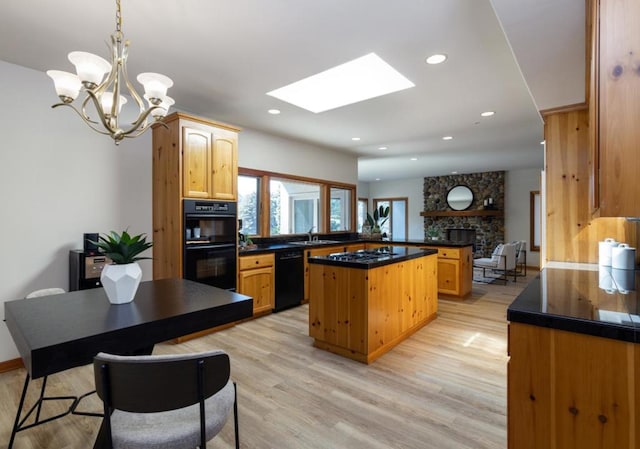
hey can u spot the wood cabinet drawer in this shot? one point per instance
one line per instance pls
(257, 261)
(449, 253)
(445, 253)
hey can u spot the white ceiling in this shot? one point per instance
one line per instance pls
(224, 55)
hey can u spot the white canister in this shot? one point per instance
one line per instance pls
(624, 280)
(623, 257)
(604, 251)
(605, 279)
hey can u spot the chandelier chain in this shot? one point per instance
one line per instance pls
(118, 19)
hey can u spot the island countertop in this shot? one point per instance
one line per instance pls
(372, 258)
(602, 303)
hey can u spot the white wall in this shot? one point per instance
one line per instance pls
(59, 179)
(518, 184)
(271, 153)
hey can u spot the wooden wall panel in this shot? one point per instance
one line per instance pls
(572, 233)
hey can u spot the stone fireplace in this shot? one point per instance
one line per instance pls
(472, 225)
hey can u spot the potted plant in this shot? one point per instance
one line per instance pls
(433, 233)
(121, 278)
(379, 218)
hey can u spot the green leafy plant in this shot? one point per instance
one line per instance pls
(123, 248)
(433, 232)
(381, 213)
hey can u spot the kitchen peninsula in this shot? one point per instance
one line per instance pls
(363, 303)
(574, 347)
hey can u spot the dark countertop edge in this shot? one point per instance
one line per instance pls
(519, 311)
(580, 326)
(321, 260)
(275, 247)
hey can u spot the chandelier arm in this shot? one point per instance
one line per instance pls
(88, 122)
(159, 122)
(125, 76)
(105, 121)
(85, 116)
(141, 119)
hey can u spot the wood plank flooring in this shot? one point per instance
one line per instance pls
(444, 387)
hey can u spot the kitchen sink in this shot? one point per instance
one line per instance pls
(313, 242)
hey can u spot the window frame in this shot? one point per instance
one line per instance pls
(389, 223)
(324, 219)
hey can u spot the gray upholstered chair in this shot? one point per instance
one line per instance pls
(502, 261)
(164, 401)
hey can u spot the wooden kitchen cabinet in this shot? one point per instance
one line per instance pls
(256, 278)
(192, 158)
(563, 395)
(210, 162)
(614, 100)
(310, 252)
(455, 270)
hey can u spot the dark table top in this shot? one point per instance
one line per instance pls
(54, 333)
(602, 303)
(392, 254)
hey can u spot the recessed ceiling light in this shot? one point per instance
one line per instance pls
(414, 158)
(274, 111)
(377, 179)
(358, 80)
(355, 138)
(487, 113)
(436, 59)
(447, 138)
(382, 148)
(454, 172)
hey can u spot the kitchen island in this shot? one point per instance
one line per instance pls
(363, 303)
(574, 368)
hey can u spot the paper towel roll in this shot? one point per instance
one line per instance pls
(604, 251)
(623, 257)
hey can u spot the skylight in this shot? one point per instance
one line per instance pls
(354, 81)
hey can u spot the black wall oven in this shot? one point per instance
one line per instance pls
(210, 242)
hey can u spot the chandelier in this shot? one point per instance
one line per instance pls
(105, 94)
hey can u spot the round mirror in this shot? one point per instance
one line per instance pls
(460, 198)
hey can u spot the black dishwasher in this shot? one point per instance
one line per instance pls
(289, 279)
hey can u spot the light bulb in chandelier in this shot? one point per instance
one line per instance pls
(104, 82)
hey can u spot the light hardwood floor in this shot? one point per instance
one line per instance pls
(444, 387)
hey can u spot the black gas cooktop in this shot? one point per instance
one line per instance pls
(365, 255)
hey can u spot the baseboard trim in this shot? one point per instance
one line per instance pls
(10, 365)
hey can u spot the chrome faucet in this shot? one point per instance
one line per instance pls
(309, 232)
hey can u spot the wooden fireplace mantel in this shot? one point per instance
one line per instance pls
(463, 213)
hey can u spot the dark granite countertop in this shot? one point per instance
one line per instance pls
(603, 302)
(367, 259)
(260, 248)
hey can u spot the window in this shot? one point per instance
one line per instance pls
(363, 208)
(248, 204)
(295, 207)
(295, 204)
(340, 209)
(397, 225)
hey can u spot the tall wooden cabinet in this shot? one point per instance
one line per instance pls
(192, 158)
(614, 100)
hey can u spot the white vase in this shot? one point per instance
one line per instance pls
(120, 282)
